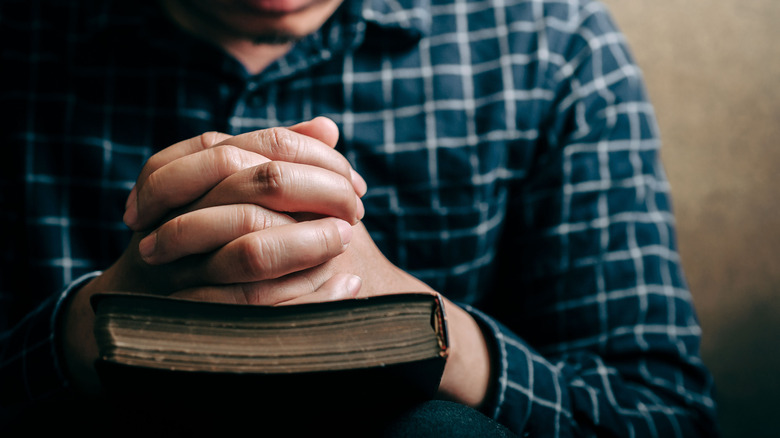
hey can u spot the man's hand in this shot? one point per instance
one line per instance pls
(193, 231)
(250, 253)
(209, 215)
(279, 166)
(467, 375)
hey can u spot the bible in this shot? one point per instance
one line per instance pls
(386, 349)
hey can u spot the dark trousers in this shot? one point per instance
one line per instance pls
(443, 419)
(433, 418)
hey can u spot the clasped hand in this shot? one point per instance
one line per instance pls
(268, 217)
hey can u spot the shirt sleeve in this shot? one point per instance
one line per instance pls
(597, 334)
(30, 357)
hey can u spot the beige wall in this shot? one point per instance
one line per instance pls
(713, 73)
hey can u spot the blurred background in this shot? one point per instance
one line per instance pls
(713, 72)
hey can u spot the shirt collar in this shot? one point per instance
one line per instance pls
(392, 24)
(410, 18)
(380, 24)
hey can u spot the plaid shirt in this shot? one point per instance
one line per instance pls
(512, 164)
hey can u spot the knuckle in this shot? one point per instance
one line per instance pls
(153, 163)
(310, 284)
(346, 190)
(248, 294)
(258, 258)
(339, 164)
(271, 176)
(345, 169)
(286, 145)
(344, 198)
(251, 218)
(152, 190)
(176, 230)
(208, 139)
(226, 159)
(327, 241)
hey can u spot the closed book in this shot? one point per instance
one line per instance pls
(382, 350)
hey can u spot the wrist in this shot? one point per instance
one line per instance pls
(77, 343)
(467, 375)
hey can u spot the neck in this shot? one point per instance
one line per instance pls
(254, 55)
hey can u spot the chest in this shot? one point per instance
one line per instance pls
(439, 150)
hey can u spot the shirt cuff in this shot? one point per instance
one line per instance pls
(57, 323)
(33, 369)
(528, 394)
(493, 334)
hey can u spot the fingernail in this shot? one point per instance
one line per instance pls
(147, 246)
(358, 182)
(354, 284)
(131, 208)
(345, 231)
(130, 198)
(361, 210)
(131, 216)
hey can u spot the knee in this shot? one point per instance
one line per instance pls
(437, 418)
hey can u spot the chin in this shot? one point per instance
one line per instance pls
(278, 20)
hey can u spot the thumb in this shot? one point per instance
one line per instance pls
(321, 128)
(326, 131)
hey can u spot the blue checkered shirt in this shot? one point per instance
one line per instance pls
(511, 157)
